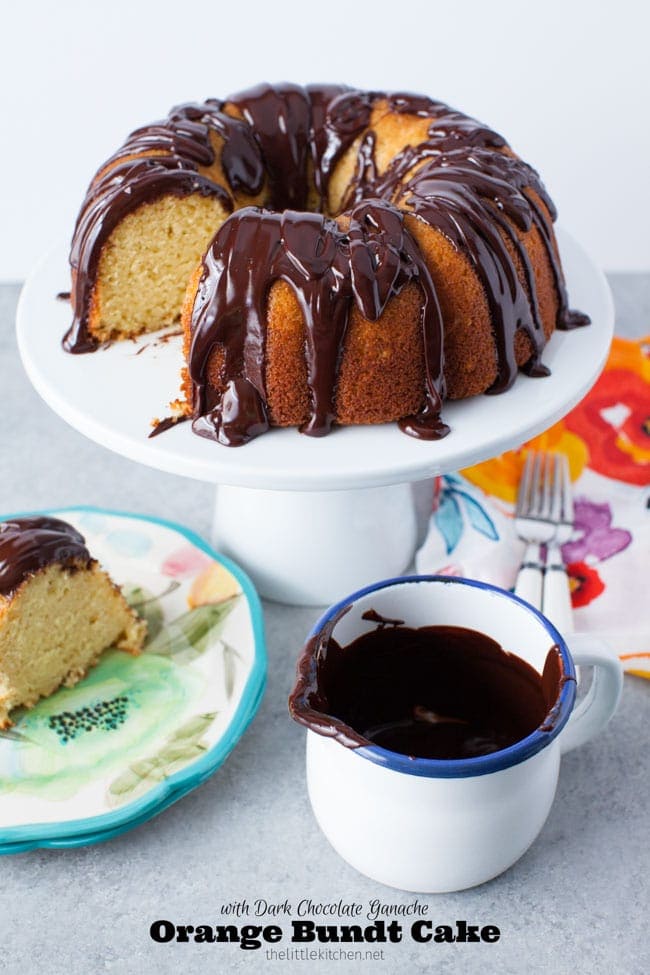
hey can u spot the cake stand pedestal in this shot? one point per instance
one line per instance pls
(310, 548)
(309, 519)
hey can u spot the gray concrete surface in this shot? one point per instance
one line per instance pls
(577, 902)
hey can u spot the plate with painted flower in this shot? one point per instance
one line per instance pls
(138, 733)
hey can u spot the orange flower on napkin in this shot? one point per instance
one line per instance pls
(500, 476)
(609, 431)
(614, 419)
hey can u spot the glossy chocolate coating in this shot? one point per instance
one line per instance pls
(329, 269)
(442, 692)
(29, 544)
(461, 179)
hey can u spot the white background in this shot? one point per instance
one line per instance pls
(567, 83)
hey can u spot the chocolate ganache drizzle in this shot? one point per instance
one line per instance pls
(444, 692)
(462, 180)
(158, 159)
(29, 544)
(329, 269)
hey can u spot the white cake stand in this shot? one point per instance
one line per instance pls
(309, 519)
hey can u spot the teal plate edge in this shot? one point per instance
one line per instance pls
(105, 826)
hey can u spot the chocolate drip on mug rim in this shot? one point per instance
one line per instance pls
(440, 692)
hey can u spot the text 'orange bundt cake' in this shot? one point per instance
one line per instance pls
(346, 257)
(59, 611)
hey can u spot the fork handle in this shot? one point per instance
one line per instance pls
(530, 576)
(556, 604)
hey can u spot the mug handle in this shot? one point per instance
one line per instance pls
(599, 704)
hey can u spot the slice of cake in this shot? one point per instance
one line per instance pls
(59, 611)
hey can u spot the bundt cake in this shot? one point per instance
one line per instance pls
(58, 611)
(352, 257)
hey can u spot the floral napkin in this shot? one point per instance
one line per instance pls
(607, 441)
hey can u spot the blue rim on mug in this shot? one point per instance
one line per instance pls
(481, 764)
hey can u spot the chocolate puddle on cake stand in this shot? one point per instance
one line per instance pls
(461, 180)
(443, 692)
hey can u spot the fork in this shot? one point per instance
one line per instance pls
(536, 517)
(544, 516)
(556, 598)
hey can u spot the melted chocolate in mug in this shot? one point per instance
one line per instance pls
(442, 692)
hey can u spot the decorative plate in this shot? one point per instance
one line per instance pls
(138, 733)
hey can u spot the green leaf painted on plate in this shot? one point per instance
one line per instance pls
(10, 734)
(180, 751)
(148, 608)
(230, 657)
(143, 768)
(195, 727)
(182, 746)
(125, 782)
(192, 633)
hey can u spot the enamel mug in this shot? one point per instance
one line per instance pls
(432, 825)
